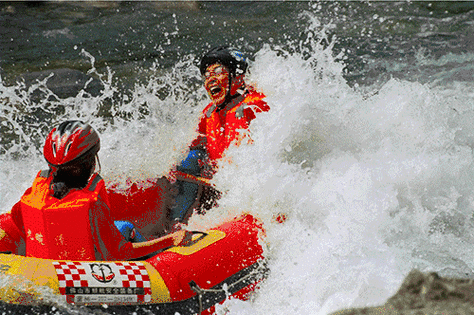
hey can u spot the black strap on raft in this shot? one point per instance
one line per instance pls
(262, 268)
(200, 292)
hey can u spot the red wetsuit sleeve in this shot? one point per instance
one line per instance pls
(18, 219)
(200, 141)
(108, 242)
(12, 224)
(255, 107)
(261, 106)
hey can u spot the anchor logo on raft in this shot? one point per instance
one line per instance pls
(102, 272)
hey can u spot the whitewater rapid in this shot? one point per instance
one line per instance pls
(373, 180)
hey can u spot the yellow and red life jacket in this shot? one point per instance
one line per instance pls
(60, 228)
(221, 128)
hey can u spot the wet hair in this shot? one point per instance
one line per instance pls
(70, 150)
(72, 175)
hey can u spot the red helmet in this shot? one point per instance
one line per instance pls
(70, 141)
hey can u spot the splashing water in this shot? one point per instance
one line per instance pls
(373, 184)
(373, 181)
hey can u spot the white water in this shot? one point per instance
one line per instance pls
(374, 183)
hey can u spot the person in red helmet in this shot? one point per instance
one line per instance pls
(223, 122)
(66, 214)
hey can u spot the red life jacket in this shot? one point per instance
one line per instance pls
(60, 228)
(221, 128)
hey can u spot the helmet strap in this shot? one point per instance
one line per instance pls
(229, 97)
(98, 163)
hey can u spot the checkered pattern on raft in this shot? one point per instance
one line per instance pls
(70, 274)
(136, 276)
(74, 274)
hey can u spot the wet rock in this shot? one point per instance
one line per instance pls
(425, 294)
(65, 82)
(8, 9)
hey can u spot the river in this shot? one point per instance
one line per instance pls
(367, 147)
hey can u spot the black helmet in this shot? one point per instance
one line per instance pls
(230, 57)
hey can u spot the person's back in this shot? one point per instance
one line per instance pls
(54, 213)
(60, 228)
(66, 213)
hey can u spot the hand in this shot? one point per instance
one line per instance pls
(178, 238)
(182, 237)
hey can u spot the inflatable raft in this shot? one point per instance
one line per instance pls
(218, 263)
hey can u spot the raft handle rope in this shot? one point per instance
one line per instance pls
(200, 291)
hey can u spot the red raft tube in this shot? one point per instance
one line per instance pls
(222, 262)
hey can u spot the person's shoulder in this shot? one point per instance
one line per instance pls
(96, 182)
(256, 99)
(208, 106)
(252, 92)
(207, 111)
(44, 173)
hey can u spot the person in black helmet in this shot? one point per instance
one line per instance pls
(234, 104)
(223, 70)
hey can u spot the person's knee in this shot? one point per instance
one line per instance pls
(190, 164)
(185, 199)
